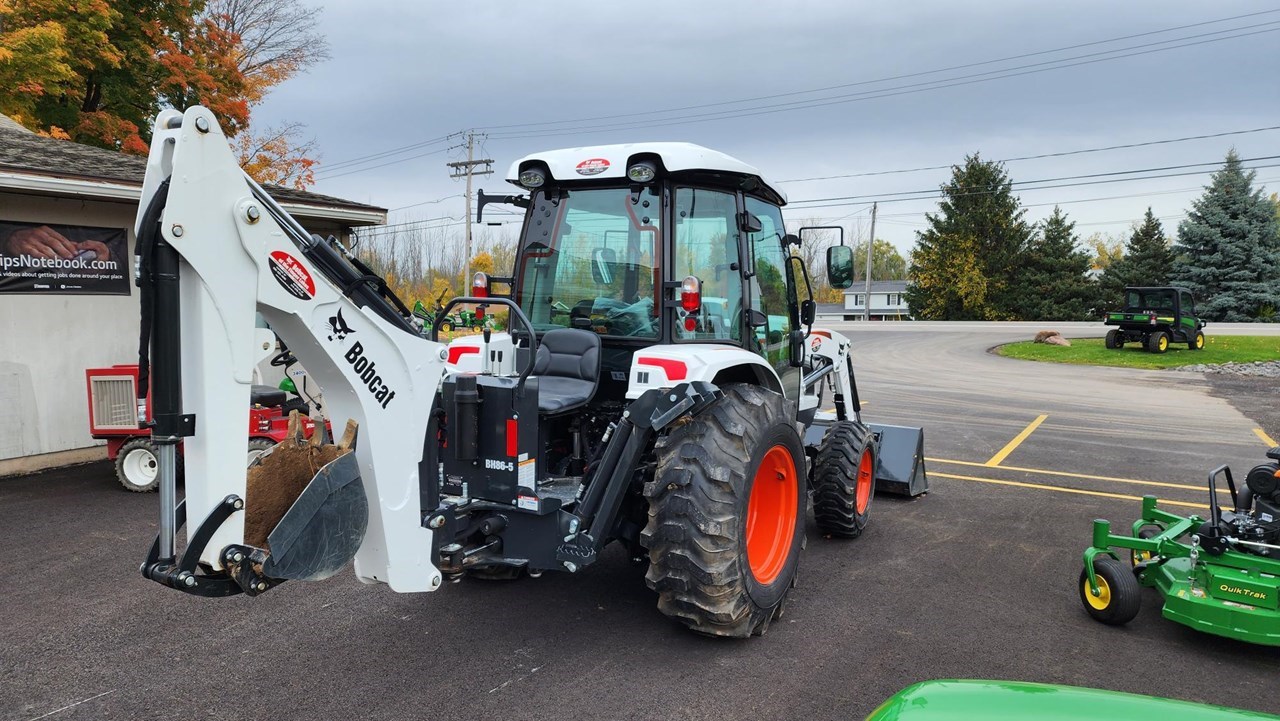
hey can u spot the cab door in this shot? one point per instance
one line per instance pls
(769, 292)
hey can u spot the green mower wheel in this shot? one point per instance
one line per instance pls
(1136, 556)
(1119, 597)
(1158, 342)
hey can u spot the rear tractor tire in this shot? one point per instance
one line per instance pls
(1158, 342)
(1114, 339)
(844, 480)
(726, 514)
(1119, 597)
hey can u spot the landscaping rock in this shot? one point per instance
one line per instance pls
(1057, 340)
(1044, 335)
(1264, 369)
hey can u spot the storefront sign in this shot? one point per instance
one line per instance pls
(37, 258)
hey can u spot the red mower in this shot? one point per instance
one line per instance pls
(112, 403)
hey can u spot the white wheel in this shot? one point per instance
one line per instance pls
(137, 466)
(258, 446)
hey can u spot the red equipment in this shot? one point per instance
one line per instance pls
(113, 418)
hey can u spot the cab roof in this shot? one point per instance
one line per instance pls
(600, 162)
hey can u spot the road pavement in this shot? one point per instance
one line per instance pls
(975, 580)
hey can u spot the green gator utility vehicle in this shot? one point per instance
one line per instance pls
(1156, 317)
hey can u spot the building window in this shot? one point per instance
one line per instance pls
(893, 299)
(857, 299)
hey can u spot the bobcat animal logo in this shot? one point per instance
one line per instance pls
(338, 328)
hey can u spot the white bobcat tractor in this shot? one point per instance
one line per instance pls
(655, 386)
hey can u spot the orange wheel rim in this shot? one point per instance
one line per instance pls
(865, 482)
(771, 514)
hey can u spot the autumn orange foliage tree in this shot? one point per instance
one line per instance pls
(97, 71)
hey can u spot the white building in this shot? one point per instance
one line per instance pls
(888, 300)
(53, 330)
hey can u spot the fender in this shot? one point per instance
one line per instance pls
(665, 366)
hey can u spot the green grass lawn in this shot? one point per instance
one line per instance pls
(1091, 351)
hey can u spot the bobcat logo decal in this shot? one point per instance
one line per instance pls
(338, 328)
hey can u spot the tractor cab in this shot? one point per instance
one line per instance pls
(657, 244)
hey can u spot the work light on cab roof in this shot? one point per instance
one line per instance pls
(639, 163)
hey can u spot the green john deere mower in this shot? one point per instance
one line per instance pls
(1219, 575)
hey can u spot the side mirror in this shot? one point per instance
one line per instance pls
(790, 239)
(602, 260)
(808, 311)
(749, 223)
(756, 319)
(840, 266)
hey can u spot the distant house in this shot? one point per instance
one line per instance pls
(888, 300)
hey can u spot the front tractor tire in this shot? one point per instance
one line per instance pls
(1197, 341)
(844, 480)
(726, 514)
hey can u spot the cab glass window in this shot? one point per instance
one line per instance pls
(705, 245)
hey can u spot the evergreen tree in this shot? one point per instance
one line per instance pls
(1053, 278)
(1147, 260)
(1229, 248)
(965, 266)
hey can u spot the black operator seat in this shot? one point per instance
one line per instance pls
(568, 369)
(266, 396)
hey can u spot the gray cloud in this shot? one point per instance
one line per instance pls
(404, 72)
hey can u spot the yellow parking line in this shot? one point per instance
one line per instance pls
(1017, 441)
(1065, 474)
(1042, 487)
(1265, 438)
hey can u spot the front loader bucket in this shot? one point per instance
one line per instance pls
(901, 461)
(311, 533)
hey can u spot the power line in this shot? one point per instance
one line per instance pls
(896, 91)
(425, 202)
(394, 151)
(1042, 155)
(884, 79)
(324, 176)
(327, 172)
(938, 194)
(932, 192)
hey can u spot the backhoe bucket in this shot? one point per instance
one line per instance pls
(316, 534)
(901, 464)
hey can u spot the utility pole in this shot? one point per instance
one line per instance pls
(866, 306)
(466, 169)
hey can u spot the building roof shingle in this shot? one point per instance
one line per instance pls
(24, 151)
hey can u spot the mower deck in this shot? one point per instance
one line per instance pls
(1232, 594)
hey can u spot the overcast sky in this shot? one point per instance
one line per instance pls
(404, 73)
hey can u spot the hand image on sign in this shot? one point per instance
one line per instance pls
(42, 258)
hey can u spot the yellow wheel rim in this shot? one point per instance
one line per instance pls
(1164, 343)
(1138, 557)
(1103, 599)
(1199, 341)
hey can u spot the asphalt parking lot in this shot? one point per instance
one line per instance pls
(975, 580)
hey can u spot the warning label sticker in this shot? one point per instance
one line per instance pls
(592, 166)
(291, 275)
(526, 477)
(528, 503)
